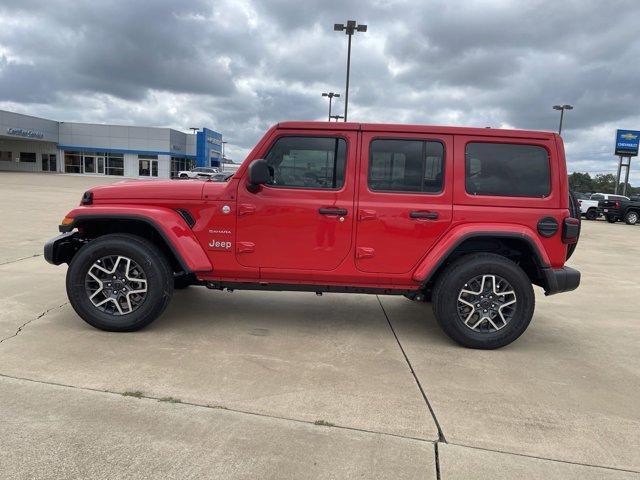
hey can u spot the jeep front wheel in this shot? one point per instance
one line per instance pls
(119, 283)
(483, 301)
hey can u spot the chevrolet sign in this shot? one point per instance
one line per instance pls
(627, 143)
(21, 132)
(213, 140)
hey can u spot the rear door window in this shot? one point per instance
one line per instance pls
(504, 169)
(406, 166)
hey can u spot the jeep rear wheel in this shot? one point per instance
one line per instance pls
(119, 283)
(611, 219)
(483, 301)
(591, 214)
(631, 217)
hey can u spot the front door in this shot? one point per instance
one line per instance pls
(89, 164)
(48, 162)
(303, 218)
(405, 199)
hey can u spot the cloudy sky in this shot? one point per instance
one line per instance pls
(239, 66)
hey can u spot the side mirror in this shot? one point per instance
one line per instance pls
(258, 175)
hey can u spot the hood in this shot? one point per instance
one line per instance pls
(150, 189)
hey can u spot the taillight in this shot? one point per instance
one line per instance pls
(617, 203)
(570, 230)
(579, 203)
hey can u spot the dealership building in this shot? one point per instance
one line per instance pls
(32, 144)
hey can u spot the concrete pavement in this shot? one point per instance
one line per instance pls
(252, 373)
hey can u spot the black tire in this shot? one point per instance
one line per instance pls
(592, 214)
(154, 266)
(611, 219)
(455, 278)
(183, 177)
(631, 217)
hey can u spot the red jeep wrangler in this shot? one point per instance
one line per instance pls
(466, 218)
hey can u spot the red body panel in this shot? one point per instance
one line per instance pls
(172, 226)
(275, 235)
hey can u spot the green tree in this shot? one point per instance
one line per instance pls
(604, 183)
(581, 182)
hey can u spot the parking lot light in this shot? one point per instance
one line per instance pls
(349, 29)
(562, 108)
(330, 95)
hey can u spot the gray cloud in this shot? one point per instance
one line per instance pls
(241, 65)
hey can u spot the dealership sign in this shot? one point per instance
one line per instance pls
(21, 132)
(627, 143)
(214, 141)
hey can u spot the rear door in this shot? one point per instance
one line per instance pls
(405, 199)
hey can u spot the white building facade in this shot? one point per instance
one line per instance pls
(35, 144)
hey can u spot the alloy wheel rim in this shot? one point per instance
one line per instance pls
(486, 303)
(116, 285)
(633, 217)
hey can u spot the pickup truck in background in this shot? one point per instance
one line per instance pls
(614, 210)
(589, 208)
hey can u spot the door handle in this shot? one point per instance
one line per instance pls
(420, 214)
(333, 211)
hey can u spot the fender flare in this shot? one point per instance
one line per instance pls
(166, 222)
(454, 238)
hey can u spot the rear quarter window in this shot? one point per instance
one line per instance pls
(507, 169)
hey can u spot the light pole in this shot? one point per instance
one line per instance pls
(349, 29)
(330, 95)
(195, 129)
(223, 143)
(562, 108)
(337, 117)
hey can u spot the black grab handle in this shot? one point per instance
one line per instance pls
(425, 215)
(333, 211)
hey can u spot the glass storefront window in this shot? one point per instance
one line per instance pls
(179, 164)
(72, 162)
(28, 157)
(147, 167)
(115, 164)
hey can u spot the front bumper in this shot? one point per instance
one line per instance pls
(558, 280)
(62, 248)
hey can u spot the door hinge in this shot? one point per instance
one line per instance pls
(246, 247)
(367, 215)
(365, 252)
(246, 209)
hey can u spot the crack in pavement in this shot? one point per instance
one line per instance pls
(275, 417)
(21, 327)
(216, 407)
(35, 255)
(441, 437)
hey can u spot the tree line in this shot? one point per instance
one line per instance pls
(601, 182)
